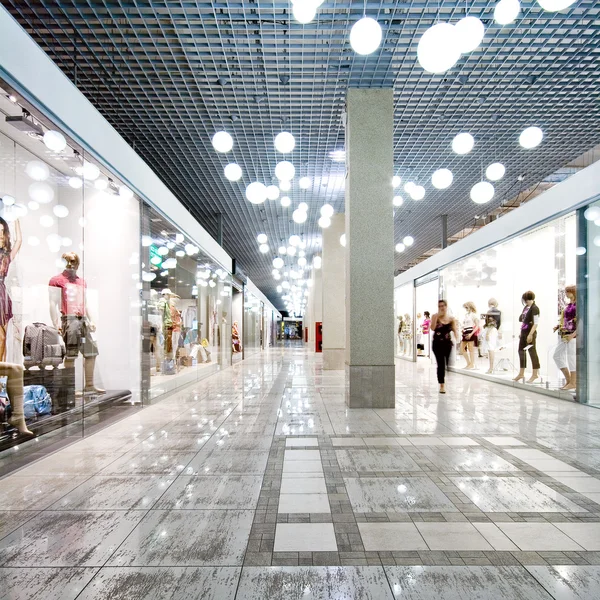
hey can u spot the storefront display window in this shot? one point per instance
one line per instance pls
(404, 326)
(252, 323)
(426, 298)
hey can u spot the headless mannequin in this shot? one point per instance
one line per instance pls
(176, 318)
(14, 389)
(60, 300)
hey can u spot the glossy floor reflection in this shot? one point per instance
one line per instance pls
(259, 483)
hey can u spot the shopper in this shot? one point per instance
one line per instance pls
(443, 325)
(529, 320)
(565, 352)
(491, 340)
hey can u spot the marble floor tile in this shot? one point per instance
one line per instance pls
(426, 441)
(163, 583)
(68, 539)
(450, 460)
(452, 536)
(70, 463)
(115, 492)
(304, 503)
(464, 583)
(305, 537)
(459, 441)
(44, 583)
(303, 485)
(187, 538)
(173, 443)
(552, 465)
(391, 537)
(350, 441)
(579, 484)
(504, 441)
(314, 583)
(526, 454)
(569, 582)
(538, 537)
(140, 462)
(594, 496)
(222, 492)
(587, 535)
(302, 455)
(302, 466)
(386, 441)
(396, 494)
(514, 494)
(13, 519)
(227, 463)
(495, 537)
(376, 459)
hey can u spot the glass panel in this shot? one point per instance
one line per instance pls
(404, 327)
(426, 302)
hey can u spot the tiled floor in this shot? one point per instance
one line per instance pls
(259, 483)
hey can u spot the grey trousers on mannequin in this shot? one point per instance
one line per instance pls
(14, 389)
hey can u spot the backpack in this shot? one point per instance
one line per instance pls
(36, 401)
(42, 346)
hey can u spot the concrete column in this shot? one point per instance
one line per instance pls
(369, 249)
(316, 307)
(334, 295)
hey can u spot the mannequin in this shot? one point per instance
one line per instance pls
(565, 353)
(400, 325)
(67, 299)
(420, 346)
(469, 335)
(14, 389)
(407, 334)
(235, 338)
(164, 309)
(529, 320)
(176, 320)
(492, 319)
(8, 252)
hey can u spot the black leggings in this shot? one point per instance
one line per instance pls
(535, 361)
(442, 350)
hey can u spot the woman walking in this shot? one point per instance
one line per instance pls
(442, 325)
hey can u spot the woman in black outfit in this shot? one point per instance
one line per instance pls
(442, 324)
(529, 319)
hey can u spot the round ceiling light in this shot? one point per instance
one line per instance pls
(90, 171)
(408, 240)
(303, 206)
(101, 184)
(304, 12)
(55, 141)
(442, 179)
(396, 181)
(278, 263)
(294, 240)
(75, 182)
(470, 32)
(282, 250)
(343, 239)
(408, 186)
(463, 143)
(285, 186)
(438, 48)
(256, 192)
(125, 193)
(327, 211)
(262, 238)
(264, 248)
(400, 247)
(272, 192)
(222, 141)
(302, 261)
(365, 36)
(291, 250)
(418, 192)
(233, 172)
(41, 192)
(495, 171)
(324, 222)
(482, 192)
(285, 171)
(8, 200)
(285, 201)
(285, 142)
(38, 171)
(398, 201)
(304, 183)
(592, 213)
(61, 211)
(555, 5)
(317, 262)
(531, 137)
(506, 11)
(299, 216)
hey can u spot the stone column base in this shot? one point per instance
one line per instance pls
(334, 359)
(370, 387)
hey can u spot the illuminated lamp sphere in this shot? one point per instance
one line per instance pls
(531, 137)
(294, 240)
(256, 192)
(365, 36)
(592, 213)
(495, 171)
(299, 216)
(222, 141)
(303, 206)
(317, 262)
(55, 141)
(463, 143)
(408, 186)
(261, 238)
(304, 12)
(343, 240)
(418, 192)
(327, 211)
(302, 262)
(101, 183)
(285, 170)
(408, 240)
(439, 48)
(38, 171)
(324, 222)
(285, 201)
(396, 181)
(291, 250)
(285, 186)
(125, 193)
(284, 142)
(506, 11)
(272, 192)
(555, 5)
(42, 192)
(233, 172)
(470, 31)
(264, 248)
(278, 263)
(8, 200)
(60, 211)
(282, 250)
(442, 179)
(482, 192)
(304, 183)
(398, 201)
(90, 171)
(400, 247)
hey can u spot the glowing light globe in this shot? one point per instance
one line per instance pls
(396, 181)
(343, 239)
(42, 193)
(324, 222)
(442, 179)
(408, 240)
(469, 31)
(233, 172)
(304, 183)
(125, 193)
(285, 171)
(55, 141)
(482, 192)
(285, 142)
(398, 201)
(418, 192)
(438, 48)
(400, 247)
(278, 263)
(60, 211)
(327, 211)
(8, 200)
(303, 206)
(304, 12)
(531, 137)
(506, 11)
(272, 192)
(256, 192)
(317, 262)
(264, 248)
(592, 213)
(222, 141)
(495, 171)
(285, 186)
(261, 238)
(408, 186)
(285, 201)
(299, 216)
(555, 5)
(365, 36)
(463, 143)
(38, 171)
(294, 240)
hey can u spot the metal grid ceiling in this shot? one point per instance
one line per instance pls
(169, 74)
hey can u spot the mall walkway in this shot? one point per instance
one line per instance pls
(258, 483)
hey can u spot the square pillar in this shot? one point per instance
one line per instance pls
(370, 368)
(334, 295)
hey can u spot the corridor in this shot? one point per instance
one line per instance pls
(258, 483)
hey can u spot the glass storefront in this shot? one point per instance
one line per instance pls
(426, 298)
(404, 327)
(252, 323)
